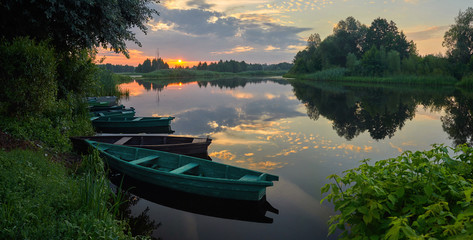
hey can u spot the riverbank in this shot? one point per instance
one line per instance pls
(46, 190)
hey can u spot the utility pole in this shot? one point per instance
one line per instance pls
(157, 57)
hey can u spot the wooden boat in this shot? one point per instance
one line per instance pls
(110, 99)
(106, 101)
(105, 108)
(126, 112)
(191, 146)
(185, 173)
(132, 124)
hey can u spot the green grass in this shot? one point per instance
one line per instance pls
(40, 199)
(52, 129)
(338, 75)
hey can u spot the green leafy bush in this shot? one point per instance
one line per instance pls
(466, 82)
(27, 77)
(76, 71)
(418, 195)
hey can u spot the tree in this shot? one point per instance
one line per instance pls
(384, 33)
(313, 41)
(459, 38)
(74, 25)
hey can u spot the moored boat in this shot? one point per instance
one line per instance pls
(126, 112)
(133, 124)
(192, 146)
(105, 108)
(185, 173)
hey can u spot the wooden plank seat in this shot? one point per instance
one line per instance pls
(249, 177)
(144, 160)
(184, 168)
(122, 140)
(137, 119)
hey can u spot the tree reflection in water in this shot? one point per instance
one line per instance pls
(458, 121)
(382, 111)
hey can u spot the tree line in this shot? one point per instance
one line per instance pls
(236, 67)
(381, 49)
(220, 66)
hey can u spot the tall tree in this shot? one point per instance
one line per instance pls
(74, 25)
(384, 33)
(459, 38)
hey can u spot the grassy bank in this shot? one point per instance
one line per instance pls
(46, 191)
(44, 200)
(340, 75)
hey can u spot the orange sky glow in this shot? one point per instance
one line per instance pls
(138, 57)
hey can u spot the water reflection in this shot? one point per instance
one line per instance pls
(382, 111)
(301, 133)
(252, 211)
(458, 120)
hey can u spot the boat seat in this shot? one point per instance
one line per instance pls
(184, 168)
(101, 114)
(94, 118)
(249, 177)
(122, 140)
(137, 119)
(144, 160)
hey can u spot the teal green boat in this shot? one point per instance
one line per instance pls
(126, 112)
(185, 173)
(132, 124)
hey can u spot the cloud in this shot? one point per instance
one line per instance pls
(237, 49)
(429, 33)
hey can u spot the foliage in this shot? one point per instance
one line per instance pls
(418, 195)
(106, 84)
(466, 82)
(76, 25)
(40, 200)
(68, 117)
(149, 66)
(27, 76)
(233, 66)
(328, 74)
(76, 72)
(117, 68)
(459, 38)
(379, 47)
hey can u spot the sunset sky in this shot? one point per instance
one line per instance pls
(272, 31)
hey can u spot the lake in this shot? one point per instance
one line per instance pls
(300, 132)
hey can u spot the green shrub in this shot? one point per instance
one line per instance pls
(331, 74)
(418, 195)
(76, 71)
(27, 77)
(466, 82)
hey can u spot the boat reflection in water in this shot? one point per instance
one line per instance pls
(252, 211)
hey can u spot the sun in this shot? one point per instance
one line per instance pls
(179, 61)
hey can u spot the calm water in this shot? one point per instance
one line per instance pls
(301, 133)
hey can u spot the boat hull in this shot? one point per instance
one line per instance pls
(176, 144)
(132, 125)
(205, 178)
